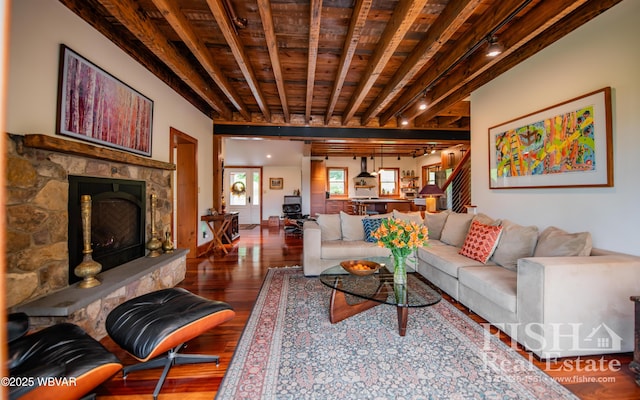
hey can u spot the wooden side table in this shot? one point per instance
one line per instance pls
(220, 225)
(634, 366)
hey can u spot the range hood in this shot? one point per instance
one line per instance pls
(363, 169)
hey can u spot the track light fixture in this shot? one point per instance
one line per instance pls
(494, 48)
(398, 157)
(326, 157)
(354, 156)
(422, 104)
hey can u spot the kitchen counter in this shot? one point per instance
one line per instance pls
(381, 205)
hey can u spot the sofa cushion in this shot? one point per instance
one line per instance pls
(414, 216)
(487, 220)
(351, 226)
(516, 241)
(456, 228)
(435, 222)
(371, 225)
(481, 241)
(346, 250)
(493, 282)
(554, 242)
(445, 258)
(329, 226)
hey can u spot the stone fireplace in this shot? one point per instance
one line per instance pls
(42, 172)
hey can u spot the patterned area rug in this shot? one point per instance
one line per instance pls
(247, 227)
(290, 350)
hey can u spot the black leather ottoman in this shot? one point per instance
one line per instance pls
(162, 322)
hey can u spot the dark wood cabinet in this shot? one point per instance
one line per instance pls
(335, 206)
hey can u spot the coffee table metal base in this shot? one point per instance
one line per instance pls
(340, 309)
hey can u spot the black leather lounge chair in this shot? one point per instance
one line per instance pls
(58, 362)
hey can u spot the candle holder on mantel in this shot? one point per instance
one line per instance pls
(88, 268)
(154, 245)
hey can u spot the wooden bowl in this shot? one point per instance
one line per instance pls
(360, 267)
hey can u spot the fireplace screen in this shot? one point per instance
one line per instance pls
(117, 221)
(116, 225)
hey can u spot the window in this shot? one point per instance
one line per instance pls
(337, 177)
(388, 179)
(238, 198)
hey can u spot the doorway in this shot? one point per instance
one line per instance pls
(184, 149)
(243, 191)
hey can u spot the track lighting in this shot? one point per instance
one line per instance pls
(354, 156)
(494, 48)
(422, 104)
(404, 121)
(326, 157)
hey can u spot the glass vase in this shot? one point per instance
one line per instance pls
(399, 268)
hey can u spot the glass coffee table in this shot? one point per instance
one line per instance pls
(372, 290)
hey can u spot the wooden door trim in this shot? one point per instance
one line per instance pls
(178, 137)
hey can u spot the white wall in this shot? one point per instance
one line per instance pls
(272, 199)
(604, 52)
(37, 30)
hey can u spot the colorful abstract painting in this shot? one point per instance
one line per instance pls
(565, 145)
(562, 143)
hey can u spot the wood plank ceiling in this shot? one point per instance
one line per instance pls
(326, 64)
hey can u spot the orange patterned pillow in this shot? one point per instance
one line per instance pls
(481, 241)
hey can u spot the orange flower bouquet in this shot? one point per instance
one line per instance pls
(401, 237)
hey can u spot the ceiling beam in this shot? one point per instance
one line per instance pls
(340, 133)
(315, 14)
(358, 20)
(219, 13)
(170, 9)
(129, 14)
(447, 24)
(577, 18)
(403, 17)
(512, 38)
(139, 53)
(264, 6)
(438, 66)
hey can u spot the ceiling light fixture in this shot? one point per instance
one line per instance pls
(422, 104)
(495, 48)
(354, 156)
(326, 157)
(404, 121)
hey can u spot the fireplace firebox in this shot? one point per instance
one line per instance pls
(117, 221)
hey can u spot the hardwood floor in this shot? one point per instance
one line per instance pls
(236, 278)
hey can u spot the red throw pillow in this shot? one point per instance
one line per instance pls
(481, 241)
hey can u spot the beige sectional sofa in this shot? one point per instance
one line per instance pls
(549, 290)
